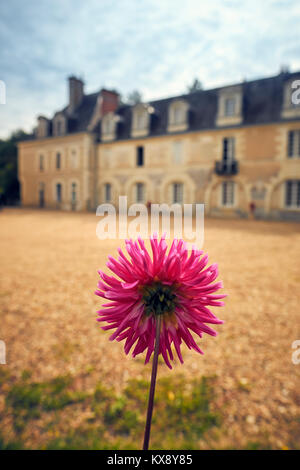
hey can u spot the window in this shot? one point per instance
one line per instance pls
(140, 192)
(141, 120)
(291, 94)
(58, 192)
(228, 190)
(59, 124)
(292, 194)
(74, 193)
(58, 161)
(43, 127)
(177, 193)
(228, 148)
(294, 144)
(41, 162)
(177, 152)
(178, 115)
(140, 156)
(229, 106)
(107, 192)
(108, 124)
(59, 128)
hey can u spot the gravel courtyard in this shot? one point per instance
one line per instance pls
(48, 274)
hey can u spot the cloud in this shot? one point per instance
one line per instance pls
(156, 47)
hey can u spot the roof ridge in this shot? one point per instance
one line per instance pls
(272, 77)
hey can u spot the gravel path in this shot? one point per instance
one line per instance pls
(48, 273)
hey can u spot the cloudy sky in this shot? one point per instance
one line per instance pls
(155, 46)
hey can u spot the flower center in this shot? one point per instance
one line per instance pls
(159, 299)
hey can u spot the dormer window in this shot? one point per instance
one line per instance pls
(43, 127)
(178, 116)
(108, 127)
(229, 106)
(291, 99)
(59, 125)
(140, 120)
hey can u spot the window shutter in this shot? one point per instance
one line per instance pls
(224, 200)
(225, 148)
(288, 193)
(290, 143)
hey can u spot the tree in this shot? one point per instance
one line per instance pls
(195, 86)
(9, 184)
(134, 97)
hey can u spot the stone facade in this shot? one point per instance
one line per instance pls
(164, 152)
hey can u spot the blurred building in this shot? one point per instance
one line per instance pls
(236, 149)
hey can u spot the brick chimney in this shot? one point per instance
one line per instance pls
(108, 102)
(76, 93)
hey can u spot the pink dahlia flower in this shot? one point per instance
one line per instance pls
(174, 285)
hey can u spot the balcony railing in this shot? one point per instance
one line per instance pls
(227, 168)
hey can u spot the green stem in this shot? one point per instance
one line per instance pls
(152, 385)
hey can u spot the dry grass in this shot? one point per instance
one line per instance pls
(48, 274)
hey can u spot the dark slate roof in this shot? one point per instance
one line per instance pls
(81, 118)
(84, 112)
(262, 104)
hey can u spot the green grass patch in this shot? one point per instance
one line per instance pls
(10, 445)
(4, 376)
(182, 413)
(28, 400)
